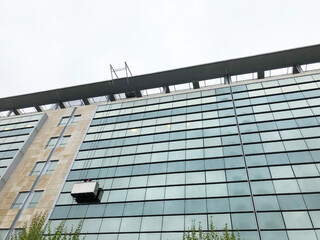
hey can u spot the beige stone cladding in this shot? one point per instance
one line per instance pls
(20, 180)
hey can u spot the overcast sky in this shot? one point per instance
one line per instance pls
(48, 44)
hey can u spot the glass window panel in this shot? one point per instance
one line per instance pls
(297, 235)
(176, 166)
(271, 235)
(196, 206)
(297, 219)
(259, 173)
(37, 168)
(270, 220)
(155, 193)
(19, 200)
(196, 218)
(262, 187)
(312, 200)
(291, 202)
(35, 199)
(286, 186)
(52, 142)
(63, 121)
(60, 212)
(234, 162)
(315, 217)
(266, 203)
(65, 140)
(243, 221)
(156, 180)
(91, 225)
(110, 224)
(250, 138)
(300, 157)
(130, 224)
(218, 205)
(117, 195)
(238, 188)
(256, 160)
(236, 175)
(147, 236)
(175, 192)
(280, 158)
(196, 177)
(270, 136)
(173, 223)
(77, 211)
(120, 182)
(195, 191)
(215, 176)
(153, 208)
(290, 134)
(220, 220)
(136, 194)
(151, 224)
(178, 178)
(281, 172)
(96, 210)
(216, 190)
(295, 145)
(273, 147)
(195, 165)
(174, 207)
(305, 170)
(132, 209)
(309, 185)
(240, 204)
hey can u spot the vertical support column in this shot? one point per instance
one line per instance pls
(195, 84)
(227, 79)
(261, 75)
(297, 69)
(245, 165)
(166, 89)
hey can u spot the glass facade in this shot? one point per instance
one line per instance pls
(14, 132)
(246, 155)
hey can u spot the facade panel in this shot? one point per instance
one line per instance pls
(244, 155)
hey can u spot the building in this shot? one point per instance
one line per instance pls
(246, 153)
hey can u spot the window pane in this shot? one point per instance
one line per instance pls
(37, 168)
(35, 199)
(19, 200)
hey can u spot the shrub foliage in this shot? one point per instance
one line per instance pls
(198, 234)
(39, 231)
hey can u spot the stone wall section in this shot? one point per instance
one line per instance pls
(51, 184)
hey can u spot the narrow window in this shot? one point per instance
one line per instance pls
(35, 199)
(75, 119)
(52, 142)
(19, 200)
(64, 141)
(63, 121)
(37, 168)
(51, 167)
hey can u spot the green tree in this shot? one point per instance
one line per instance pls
(197, 233)
(39, 231)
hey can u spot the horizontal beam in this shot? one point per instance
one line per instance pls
(258, 63)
